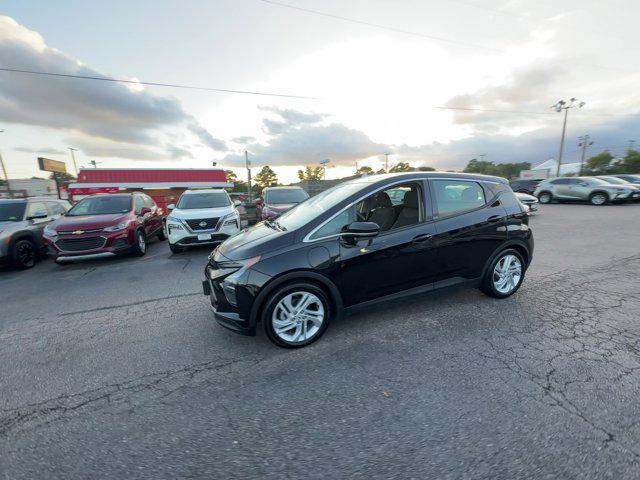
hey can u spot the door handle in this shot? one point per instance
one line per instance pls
(494, 218)
(422, 238)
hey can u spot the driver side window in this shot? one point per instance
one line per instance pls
(139, 203)
(396, 207)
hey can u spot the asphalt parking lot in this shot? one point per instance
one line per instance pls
(116, 369)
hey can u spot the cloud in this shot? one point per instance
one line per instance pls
(45, 151)
(243, 140)
(205, 137)
(96, 110)
(179, 152)
(310, 144)
(288, 119)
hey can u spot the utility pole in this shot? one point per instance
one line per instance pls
(4, 174)
(248, 165)
(386, 162)
(73, 157)
(584, 143)
(559, 107)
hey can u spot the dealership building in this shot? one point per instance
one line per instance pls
(164, 185)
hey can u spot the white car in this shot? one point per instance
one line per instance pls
(201, 217)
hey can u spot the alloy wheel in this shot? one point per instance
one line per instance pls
(142, 244)
(26, 254)
(598, 199)
(507, 274)
(544, 198)
(298, 317)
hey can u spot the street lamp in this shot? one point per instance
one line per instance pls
(324, 168)
(559, 107)
(584, 143)
(73, 157)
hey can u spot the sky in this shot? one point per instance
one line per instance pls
(431, 82)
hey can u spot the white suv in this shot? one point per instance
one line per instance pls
(201, 217)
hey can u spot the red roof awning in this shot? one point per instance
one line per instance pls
(151, 178)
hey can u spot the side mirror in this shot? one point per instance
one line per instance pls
(237, 203)
(38, 214)
(145, 210)
(171, 206)
(359, 230)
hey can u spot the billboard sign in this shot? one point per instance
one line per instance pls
(49, 165)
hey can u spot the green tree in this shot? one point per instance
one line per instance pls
(506, 170)
(3, 181)
(64, 179)
(600, 164)
(364, 170)
(630, 163)
(426, 169)
(266, 177)
(381, 171)
(231, 176)
(401, 167)
(311, 173)
(479, 166)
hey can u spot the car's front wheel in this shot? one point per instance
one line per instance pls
(598, 198)
(139, 244)
(296, 315)
(545, 197)
(23, 254)
(504, 275)
(175, 248)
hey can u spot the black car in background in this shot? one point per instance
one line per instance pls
(525, 186)
(352, 246)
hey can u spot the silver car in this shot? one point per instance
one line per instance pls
(588, 189)
(21, 224)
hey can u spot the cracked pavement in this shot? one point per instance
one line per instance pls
(115, 369)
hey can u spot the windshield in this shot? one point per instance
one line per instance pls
(304, 212)
(12, 211)
(101, 206)
(204, 200)
(289, 195)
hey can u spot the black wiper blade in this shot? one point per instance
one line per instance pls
(279, 225)
(270, 224)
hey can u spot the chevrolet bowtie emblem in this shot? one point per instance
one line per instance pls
(78, 232)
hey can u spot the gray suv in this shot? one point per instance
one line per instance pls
(589, 189)
(21, 224)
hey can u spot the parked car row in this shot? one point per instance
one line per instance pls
(596, 190)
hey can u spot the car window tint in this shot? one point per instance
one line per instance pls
(457, 196)
(393, 208)
(560, 181)
(139, 203)
(37, 208)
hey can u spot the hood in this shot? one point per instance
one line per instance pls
(88, 222)
(195, 213)
(253, 241)
(280, 207)
(526, 197)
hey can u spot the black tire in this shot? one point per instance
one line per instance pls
(139, 247)
(488, 286)
(175, 248)
(599, 198)
(545, 197)
(23, 254)
(279, 294)
(162, 234)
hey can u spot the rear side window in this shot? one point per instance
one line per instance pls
(457, 196)
(561, 181)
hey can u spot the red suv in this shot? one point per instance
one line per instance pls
(108, 224)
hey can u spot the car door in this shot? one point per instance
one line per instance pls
(470, 225)
(144, 219)
(38, 216)
(400, 258)
(155, 219)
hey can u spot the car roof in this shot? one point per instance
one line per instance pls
(284, 187)
(204, 190)
(29, 199)
(435, 175)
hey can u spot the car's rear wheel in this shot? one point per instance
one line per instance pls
(296, 315)
(162, 234)
(504, 275)
(598, 198)
(23, 254)
(139, 244)
(545, 197)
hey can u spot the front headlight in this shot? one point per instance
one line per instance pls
(115, 228)
(174, 223)
(229, 283)
(50, 232)
(231, 219)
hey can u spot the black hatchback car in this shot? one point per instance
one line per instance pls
(366, 241)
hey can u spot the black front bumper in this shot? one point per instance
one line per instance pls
(225, 314)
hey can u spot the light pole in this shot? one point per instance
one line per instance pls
(324, 168)
(248, 165)
(386, 162)
(73, 157)
(584, 143)
(559, 107)
(4, 174)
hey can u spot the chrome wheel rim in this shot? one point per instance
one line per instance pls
(545, 198)
(598, 199)
(142, 245)
(298, 317)
(507, 274)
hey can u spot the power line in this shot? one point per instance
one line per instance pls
(380, 26)
(152, 84)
